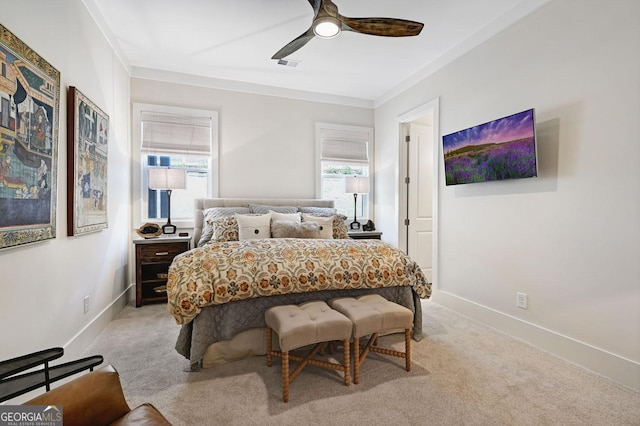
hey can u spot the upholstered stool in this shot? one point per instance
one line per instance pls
(302, 325)
(373, 315)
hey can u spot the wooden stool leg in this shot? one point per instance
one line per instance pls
(285, 376)
(269, 347)
(347, 366)
(356, 360)
(407, 348)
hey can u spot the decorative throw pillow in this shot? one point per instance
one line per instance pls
(253, 227)
(225, 228)
(288, 229)
(263, 209)
(213, 213)
(325, 223)
(285, 217)
(317, 210)
(216, 212)
(340, 230)
(205, 237)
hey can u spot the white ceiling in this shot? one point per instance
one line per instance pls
(229, 43)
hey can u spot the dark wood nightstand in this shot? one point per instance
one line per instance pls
(365, 235)
(153, 257)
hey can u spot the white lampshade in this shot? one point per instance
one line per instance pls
(166, 178)
(356, 185)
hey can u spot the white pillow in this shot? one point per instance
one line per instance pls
(285, 217)
(253, 227)
(326, 224)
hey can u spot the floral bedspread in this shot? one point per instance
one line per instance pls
(237, 270)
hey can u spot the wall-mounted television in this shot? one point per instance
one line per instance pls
(500, 149)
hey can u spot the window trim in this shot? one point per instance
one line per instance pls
(214, 170)
(370, 152)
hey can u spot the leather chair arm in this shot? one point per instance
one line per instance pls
(95, 398)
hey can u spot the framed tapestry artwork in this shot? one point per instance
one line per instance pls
(29, 105)
(87, 146)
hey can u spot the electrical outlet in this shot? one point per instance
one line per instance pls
(521, 300)
(86, 304)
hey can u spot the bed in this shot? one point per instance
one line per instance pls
(219, 290)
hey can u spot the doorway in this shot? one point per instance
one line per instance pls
(418, 190)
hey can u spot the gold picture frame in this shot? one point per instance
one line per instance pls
(29, 108)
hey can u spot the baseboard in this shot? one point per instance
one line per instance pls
(599, 361)
(75, 347)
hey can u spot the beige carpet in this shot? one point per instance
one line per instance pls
(463, 374)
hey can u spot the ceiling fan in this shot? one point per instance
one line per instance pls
(328, 23)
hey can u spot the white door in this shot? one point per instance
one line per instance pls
(420, 197)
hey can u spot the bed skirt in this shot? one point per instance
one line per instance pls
(221, 323)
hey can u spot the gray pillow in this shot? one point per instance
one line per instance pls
(282, 229)
(264, 209)
(317, 210)
(216, 212)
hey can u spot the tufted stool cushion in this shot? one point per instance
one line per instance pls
(305, 324)
(373, 315)
(302, 325)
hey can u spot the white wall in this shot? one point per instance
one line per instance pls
(266, 143)
(42, 285)
(570, 238)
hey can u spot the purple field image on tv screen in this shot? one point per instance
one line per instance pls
(500, 149)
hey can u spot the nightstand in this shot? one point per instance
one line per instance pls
(153, 257)
(365, 235)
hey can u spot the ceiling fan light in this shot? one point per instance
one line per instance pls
(326, 27)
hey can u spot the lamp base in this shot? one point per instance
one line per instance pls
(355, 224)
(169, 229)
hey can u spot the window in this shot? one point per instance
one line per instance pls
(344, 151)
(177, 138)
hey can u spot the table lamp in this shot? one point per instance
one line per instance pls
(356, 185)
(167, 179)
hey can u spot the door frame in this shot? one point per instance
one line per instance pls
(403, 130)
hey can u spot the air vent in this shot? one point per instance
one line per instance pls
(288, 62)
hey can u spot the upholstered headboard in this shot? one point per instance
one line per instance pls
(201, 204)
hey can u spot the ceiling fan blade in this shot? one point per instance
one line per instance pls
(294, 45)
(387, 27)
(315, 4)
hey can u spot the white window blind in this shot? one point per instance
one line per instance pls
(344, 146)
(175, 133)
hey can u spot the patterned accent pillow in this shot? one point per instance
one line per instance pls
(340, 230)
(316, 211)
(264, 209)
(324, 222)
(253, 227)
(225, 228)
(214, 213)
